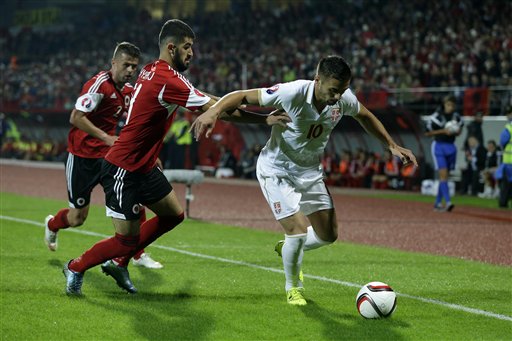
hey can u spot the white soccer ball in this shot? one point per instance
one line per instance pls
(452, 126)
(376, 300)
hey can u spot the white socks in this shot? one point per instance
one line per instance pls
(312, 241)
(292, 252)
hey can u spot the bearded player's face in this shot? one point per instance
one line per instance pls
(183, 54)
(329, 90)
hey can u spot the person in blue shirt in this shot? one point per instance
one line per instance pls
(504, 171)
(444, 125)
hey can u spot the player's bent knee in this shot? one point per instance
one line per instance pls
(127, 244)
(170, 222)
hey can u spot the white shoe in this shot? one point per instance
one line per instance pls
(50, 237)
(147, 262)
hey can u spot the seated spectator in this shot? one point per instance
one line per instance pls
(371, 167)
(409, 176)
(388, 172)
(247, 164)
(379, 178)
(342, 176)
(357, 169)
(227, 163)
(491, 163)
(475, 162)
(330, 167)
(392, 169)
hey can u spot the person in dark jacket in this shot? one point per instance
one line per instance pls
(475, 163)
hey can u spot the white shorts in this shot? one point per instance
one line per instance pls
(286, 194)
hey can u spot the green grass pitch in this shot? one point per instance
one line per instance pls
(225, 283)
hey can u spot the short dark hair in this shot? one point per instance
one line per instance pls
(449, 98)
(127, 48)
(175, 29)
(334, 67)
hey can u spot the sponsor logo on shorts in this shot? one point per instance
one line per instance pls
(277, 207)
(273, 89)
(136, 209)
(80, 201)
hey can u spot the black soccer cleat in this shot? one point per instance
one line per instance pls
(120, 274)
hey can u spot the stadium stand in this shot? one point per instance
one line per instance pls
(396, 49)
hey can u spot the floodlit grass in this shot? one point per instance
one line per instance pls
(225, 283)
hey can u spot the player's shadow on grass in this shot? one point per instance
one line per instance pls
(54, 262)
(164, 315)
(343, 326)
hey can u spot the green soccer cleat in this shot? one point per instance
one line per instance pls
(279, 250)
(120, 274)
(295, 296)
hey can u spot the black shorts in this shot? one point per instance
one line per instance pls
(82, 175)
(124, 190)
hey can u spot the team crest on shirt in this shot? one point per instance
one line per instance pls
(273, 89)
(335, 114)
(277, 207)
(86, 102)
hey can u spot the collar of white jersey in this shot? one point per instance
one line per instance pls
(311, 92)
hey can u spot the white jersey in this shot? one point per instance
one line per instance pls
(298, 148)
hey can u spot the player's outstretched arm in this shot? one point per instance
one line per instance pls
(374, 127)
(79, 119)
(227, 108)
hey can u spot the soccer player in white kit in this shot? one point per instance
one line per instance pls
(289, 168)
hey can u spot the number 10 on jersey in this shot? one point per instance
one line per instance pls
(315, 130)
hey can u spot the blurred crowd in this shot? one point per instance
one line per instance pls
(367, 169)
(16, 144)
(359, 169)
(391, 44)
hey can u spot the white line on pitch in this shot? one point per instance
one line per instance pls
(320, 278)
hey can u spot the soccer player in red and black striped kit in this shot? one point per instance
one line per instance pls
(102, 102)
(129, 174)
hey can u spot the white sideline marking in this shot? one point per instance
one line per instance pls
(250, 265)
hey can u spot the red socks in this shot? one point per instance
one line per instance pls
(136, 256)
(149, 232)
(104, 250)
(60, 221)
